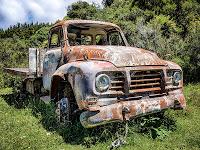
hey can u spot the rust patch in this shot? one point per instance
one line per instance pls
(131, 113)
(130, 56)
(182, 101)
(114, 112)
(163, 104)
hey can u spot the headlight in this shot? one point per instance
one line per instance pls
(102, 82)
(177, 77)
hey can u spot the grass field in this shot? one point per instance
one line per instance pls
(32, 125)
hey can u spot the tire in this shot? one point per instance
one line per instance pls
(65, 105)
(63, 111)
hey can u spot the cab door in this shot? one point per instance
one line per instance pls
(53, 55)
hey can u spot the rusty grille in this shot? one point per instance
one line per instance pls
(117, 82)
(148, 82)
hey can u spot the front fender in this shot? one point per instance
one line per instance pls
(80, 75)
(173, 65)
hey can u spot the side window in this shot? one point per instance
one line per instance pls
(86, 39)
(115, 39)
(81, 40)
(100, 39)
(54, 40)
(56, 37)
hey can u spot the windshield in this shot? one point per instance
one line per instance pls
(94, 34)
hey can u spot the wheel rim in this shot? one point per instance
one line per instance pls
(63, 110)
(63, 105)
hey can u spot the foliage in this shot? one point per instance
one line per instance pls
(39, 39)
(81, 10)
(6, 91)
(14, 44)
(20, 130)
(169, 28)
(24, 31)
(33, 125)
(107, 3)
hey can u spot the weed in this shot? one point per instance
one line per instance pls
(174, 129)
(156, 126)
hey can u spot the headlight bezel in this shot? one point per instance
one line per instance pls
(99, 87)
(176, 76)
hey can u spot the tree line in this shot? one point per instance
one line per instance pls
(168, 27)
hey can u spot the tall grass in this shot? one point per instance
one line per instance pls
(35, 120)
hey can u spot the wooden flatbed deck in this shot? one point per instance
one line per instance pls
(18, 71)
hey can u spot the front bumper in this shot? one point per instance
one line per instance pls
(125, 110)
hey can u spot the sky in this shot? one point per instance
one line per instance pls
(14, 11)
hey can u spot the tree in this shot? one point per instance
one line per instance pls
(81, 10)
(107, 3)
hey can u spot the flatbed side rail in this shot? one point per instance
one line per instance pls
(35, 68)
(18, 71)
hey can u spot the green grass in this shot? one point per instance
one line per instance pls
(32, 125)
(19, 129)
(6, 91)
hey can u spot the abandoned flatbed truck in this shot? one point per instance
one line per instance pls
(89, 67)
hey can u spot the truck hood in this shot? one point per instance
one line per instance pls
(120, 56)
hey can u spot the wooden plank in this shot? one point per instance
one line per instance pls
(18, 71)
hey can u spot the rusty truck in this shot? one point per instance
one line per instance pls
(89, 67)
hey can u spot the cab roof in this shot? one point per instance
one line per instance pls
(71, 22)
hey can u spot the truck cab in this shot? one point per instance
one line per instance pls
(90, 68)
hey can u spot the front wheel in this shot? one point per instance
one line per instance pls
(63, 111)
(65, 105)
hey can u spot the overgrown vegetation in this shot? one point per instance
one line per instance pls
(168, 27)
(33, 126)
(14, 44)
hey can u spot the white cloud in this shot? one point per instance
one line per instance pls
(10, 10)
(13, 11)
